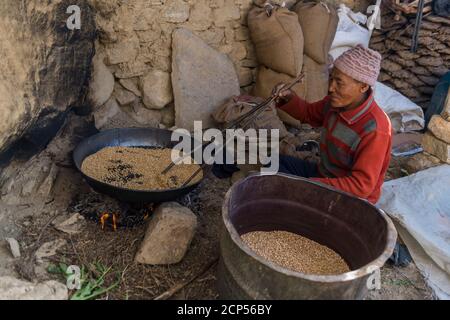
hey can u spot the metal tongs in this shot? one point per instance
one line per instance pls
(242, 121)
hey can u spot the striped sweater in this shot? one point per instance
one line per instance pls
(355, 144)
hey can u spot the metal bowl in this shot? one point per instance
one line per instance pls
(129, 137)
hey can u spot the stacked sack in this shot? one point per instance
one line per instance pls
(413, 74)
(289, 42)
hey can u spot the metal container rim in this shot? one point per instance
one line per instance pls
(366, 270)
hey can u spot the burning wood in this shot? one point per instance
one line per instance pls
(111, 213)
(105, 217)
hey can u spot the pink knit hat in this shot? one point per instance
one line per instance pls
(361, 64)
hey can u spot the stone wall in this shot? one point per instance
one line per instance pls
(135, 49)
(45, 68)
(135, 45)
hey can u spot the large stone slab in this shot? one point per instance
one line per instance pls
(168, 236)
(202, 79)
(436, 147)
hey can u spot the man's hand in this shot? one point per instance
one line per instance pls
(283, 96)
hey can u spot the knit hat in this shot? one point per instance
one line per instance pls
(361, 64)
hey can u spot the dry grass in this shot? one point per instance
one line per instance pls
(118, 249)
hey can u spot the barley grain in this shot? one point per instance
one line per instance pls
(296, 253)
(137, 168)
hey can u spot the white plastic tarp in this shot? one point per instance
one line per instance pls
(350, 31)
(405, 115)
(420, 206)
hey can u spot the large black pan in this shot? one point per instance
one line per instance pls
(132, 137)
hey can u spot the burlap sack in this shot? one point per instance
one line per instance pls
(278, 39)
(317, 79)
(240, 105)
(288, 119)
(267, 79)
(319, 23)
(313, 88)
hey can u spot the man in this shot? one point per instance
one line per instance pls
(356, 133)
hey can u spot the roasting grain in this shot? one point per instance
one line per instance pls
(296, 253)
(137, 168)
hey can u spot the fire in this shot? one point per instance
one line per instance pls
(114, 219)
(105, 217)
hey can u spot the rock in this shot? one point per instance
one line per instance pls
(15, 289)
(440, 128)
(225, 13)
(46, 186)
(146, 117)
(14, 247)
(123, 96)
(420, 162)
(245, 77)
(131, 69)
(49, 249)
(212, 37)
(168, 236)
(202, 79)
(124, 50)
(102, 83)
(111, 116)
(168, 115)
(106, 7)
(72, 225)
(176, 11)
(45, 68)
(107, 112)
(131, 85)
(436, 147)
(33, 180)
(157, 89)
(201, 15)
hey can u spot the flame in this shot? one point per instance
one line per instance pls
(114, 219)
(103, 219)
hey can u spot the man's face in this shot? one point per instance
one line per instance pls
(344, 91)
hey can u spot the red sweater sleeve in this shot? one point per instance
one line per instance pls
(368, 166)
(311, 113)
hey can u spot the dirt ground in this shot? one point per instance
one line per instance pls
(117, 250)
(31, 225)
